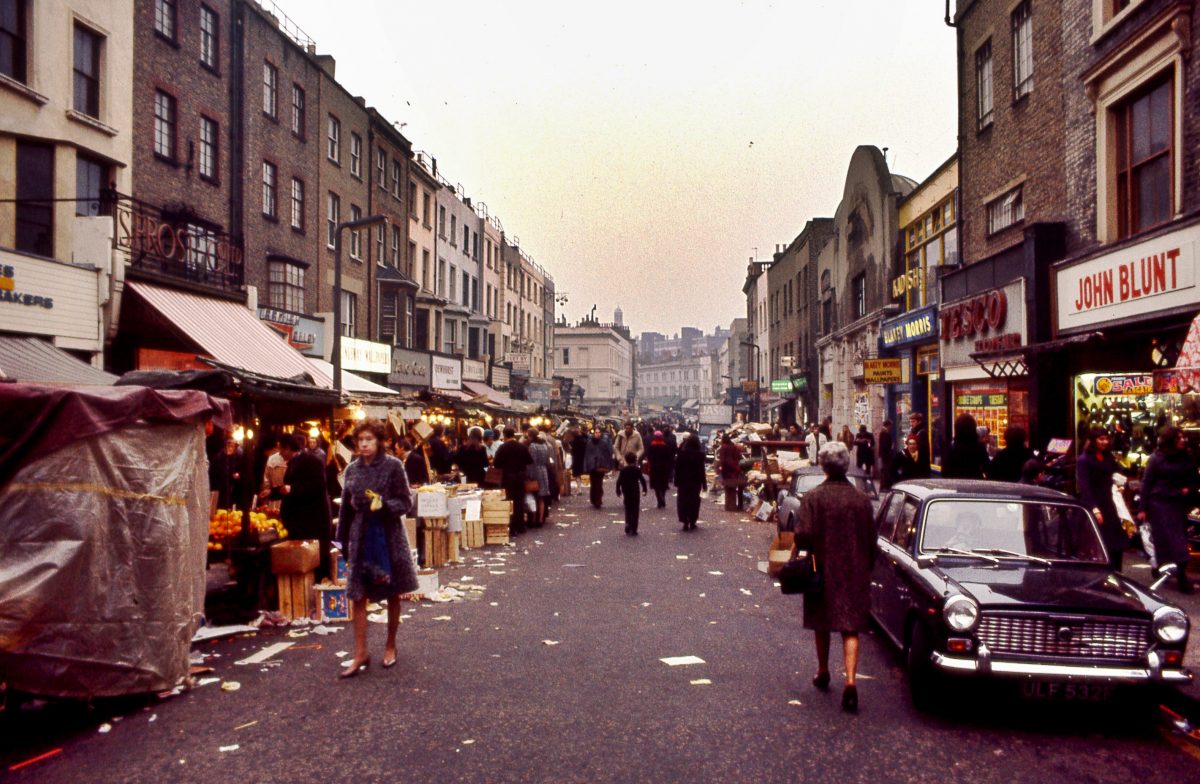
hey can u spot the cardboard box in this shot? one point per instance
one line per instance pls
(427, 581)
(410, 530)
(432, 503)
(296, 556)
(295, 595)
(341, 570)
(332, 604)
(779, 553)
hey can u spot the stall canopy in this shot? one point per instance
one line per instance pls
(1187, 367)
(351, 383)
(30, 360)
(493, 397)
(231, 334)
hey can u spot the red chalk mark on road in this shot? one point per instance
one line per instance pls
(32, 760)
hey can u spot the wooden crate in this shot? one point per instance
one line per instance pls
(295, 595)
(437, 548)
(436, 522)
(472, 534)
(495, 533)
(333, 604)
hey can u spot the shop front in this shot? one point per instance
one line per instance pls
(1132, 310)
(367, 358)
(306, 335)
(53, 301)
(990, 321)
(912, 339)
(410, 371)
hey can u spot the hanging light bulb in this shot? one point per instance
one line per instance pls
(239, 434)
(314, 432)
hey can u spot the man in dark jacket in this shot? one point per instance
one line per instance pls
(439, 453)
(304, 509)
(1008, 463)
(415, 467)
(513, 458)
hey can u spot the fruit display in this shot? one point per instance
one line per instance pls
(227, 524)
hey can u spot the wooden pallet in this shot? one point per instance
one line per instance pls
(437, 548)
(495, 533)
(295, 595)
(472, 534)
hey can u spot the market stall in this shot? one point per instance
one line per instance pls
(103, 523)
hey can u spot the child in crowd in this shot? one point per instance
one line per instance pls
(627, 486)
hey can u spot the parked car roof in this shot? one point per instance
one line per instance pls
(931, 488)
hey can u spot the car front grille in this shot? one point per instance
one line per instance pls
(1086, 638)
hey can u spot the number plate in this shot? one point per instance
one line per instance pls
(1067, 692)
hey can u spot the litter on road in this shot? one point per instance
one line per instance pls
(701, 682)
(676, 661)
(266, 653)
(230, 686)
(234, 747)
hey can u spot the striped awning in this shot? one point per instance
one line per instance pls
(33, 361)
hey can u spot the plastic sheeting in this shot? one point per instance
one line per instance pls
(102, 559)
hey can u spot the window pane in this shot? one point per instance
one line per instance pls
(1160, 117)
(35, 187)
(89, 182)
(1140, 122)
(1152, 185)
(208, 37)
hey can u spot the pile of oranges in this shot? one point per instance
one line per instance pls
(227, 523)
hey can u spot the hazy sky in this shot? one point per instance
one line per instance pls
(642, 151)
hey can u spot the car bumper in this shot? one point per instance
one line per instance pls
(1153, 672)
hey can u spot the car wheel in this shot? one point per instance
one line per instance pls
(924, 681)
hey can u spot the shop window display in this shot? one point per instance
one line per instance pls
(1134, 407)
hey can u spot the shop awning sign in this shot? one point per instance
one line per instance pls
(1131, 284)
(781, 385)
(446, 372)
(409, 368)
(882, 371)
(915, 327)
(366, 356)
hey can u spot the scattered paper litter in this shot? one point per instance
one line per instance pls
(266, 653)
(342, 654)
(702, 596)
(549, 642)
(468, 742)
(748, 593)
(234, 747)
(675, 661)
(794, 702)
(297, 633)
(701, 682)
(681, 558)
(104, 728)
(645, 604)
(442, 618)
(716, 574)
(573, 566)
(247, 724)
(207, 681)
(213, 632)
(323, 629)
(153, 718)
(497, 571)
(230, 686)
(379, 617)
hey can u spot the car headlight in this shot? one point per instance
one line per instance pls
(1170, 624)
(961, 613)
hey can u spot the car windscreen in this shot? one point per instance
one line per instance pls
(805, 482)
(1058, 532)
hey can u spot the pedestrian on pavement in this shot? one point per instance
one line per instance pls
(628, 480)
(729, 466)
(374, 501)
(847, 437)
(1006, 465)
(672, 442)
(837, 527)
(814, 442)
(628, 440)
(662, 465)
(538, 471)
(968, 458)
(1094, 482)
(472, 458)
(887, 454)
(304, 504)
(1169, 489)
(490, 443)
(864, 450)
(556, 469)
(597, 461)
(690, 480)
(225, 474)
(916, 422)
(1033, 472)
(578, 446)
(513, 459)
(907, 464)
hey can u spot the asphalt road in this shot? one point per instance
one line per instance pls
(481, 696)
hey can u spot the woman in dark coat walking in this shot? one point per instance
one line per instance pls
(837, 527)
(662, 464)
(968, 459)
(690, 479)
(1168, 490)
(375, 498)
(1094, 482)
(729, 465)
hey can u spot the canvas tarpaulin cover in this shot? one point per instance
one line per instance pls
(102, 539)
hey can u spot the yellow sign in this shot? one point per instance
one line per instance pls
(881, 371)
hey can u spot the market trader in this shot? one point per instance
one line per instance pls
(304, 508)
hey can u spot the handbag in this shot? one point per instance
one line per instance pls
(493, 476)
(800, 575)
(532, 486)
(646, 467)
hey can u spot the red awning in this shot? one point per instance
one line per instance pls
(1187, 367)
(230, 333)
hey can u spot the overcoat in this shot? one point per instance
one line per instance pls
(662, 464)
(1166, 505)
(690, 479)
(1094, 482)
(384, 475)
(836, 524)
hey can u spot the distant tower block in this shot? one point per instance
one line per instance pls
(618, 317)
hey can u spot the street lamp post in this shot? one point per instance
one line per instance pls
(755, 413)
(370, 220)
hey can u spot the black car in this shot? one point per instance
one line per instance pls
(806, 479)
(1012, 581)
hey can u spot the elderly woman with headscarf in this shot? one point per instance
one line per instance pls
(662, 462)
(690, 479)
(836, 526)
